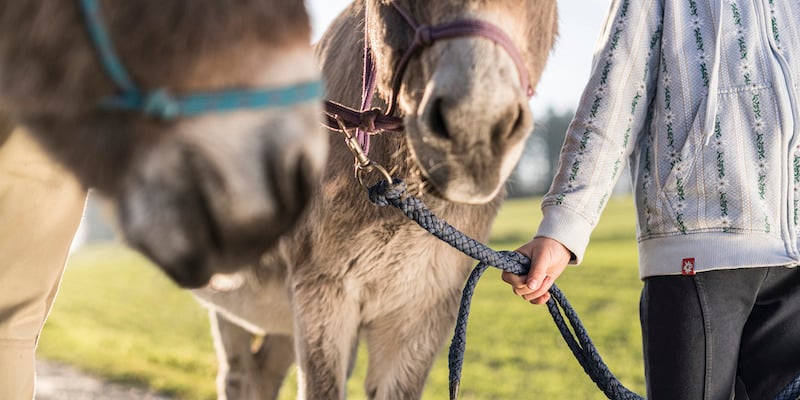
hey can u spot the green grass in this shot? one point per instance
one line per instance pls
(119, 317)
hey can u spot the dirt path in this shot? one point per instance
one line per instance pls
(60, 382)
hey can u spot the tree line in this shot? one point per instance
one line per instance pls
(539, 160)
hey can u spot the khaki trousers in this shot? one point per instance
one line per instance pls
(41, 206)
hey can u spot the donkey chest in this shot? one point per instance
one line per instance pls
(386, 264)
(405, 275)
(377, 252)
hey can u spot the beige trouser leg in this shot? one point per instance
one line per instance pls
(40, 208)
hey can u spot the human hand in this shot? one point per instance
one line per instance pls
(548, 260)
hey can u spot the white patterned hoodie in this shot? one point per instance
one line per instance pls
(701, 98)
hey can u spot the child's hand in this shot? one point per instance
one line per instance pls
(548, 260)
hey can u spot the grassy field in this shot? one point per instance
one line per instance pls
(119, 317)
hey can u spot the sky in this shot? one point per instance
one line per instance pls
(568, 67)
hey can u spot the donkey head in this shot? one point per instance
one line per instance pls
(464, 99)
(200, 193)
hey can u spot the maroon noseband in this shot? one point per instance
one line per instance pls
(369, 121)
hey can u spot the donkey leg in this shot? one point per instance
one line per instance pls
(250, 366)
(403, 348)
(273, 358)
(326, 333)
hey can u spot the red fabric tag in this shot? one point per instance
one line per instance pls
(687, 267)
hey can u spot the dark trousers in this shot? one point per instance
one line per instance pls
(720, 335)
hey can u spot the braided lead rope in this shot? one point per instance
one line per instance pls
(791, 391)
(579, 342)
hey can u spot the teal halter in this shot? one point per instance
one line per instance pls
(161, 104)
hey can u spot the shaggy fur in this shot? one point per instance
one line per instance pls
(354, 270)
(211, 190)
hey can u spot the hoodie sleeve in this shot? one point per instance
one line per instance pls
(612, 111)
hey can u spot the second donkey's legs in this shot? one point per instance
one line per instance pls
(326, 328)
(251, 367)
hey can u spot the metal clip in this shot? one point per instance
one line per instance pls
(363, 165)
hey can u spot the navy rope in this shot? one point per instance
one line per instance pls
(577, 339)
(161, 104)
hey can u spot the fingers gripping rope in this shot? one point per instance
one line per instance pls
(577, 339)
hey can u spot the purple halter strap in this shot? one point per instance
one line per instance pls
(368, 120)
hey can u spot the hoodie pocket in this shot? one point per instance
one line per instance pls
(676, 153)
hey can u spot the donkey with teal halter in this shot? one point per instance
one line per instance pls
(198, 120)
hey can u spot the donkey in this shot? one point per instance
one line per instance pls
(354, 271)
(196, 193)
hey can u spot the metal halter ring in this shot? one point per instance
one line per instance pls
(361, 170)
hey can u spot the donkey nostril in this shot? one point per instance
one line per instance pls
(509, 125)
(519, 119)
(437, 121)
